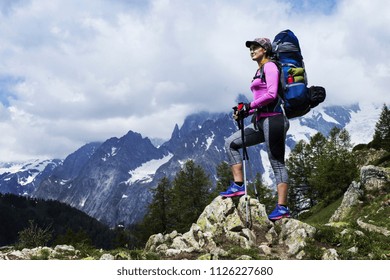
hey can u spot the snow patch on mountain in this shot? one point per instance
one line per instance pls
(267, 177)
(29, 170)
(82, 202)
(111, 154)
(21, 178)
(299, 132)
(12, 168)
(362, 125)
(325, 116)
(27, 180)
(209, 141)
(146, 171)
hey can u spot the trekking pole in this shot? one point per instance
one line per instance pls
(240, 123)
(253, 180)
(244, 159)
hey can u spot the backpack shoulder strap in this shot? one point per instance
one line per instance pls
(260, 73)
(282, 81)
(272, 107)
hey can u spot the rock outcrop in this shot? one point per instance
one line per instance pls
(58, 252)
(373, 188)
(374, 178)
(373, 181)
(223, 226)
(351, 198)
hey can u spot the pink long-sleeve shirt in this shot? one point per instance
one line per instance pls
(265, 92)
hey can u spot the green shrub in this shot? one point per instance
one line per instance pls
(383, 161)
(360, 147)
(34, 236)
(44, 254)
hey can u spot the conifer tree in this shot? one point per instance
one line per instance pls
(381, 139)
(301, 165)
(299, 171)
(265, 194)
(320, 170)
(335, 168)
(157, 219)
(190, 194)
(224, 178)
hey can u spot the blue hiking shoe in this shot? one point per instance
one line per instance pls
(233, 190)
(279, 212)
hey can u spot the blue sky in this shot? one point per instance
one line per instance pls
(326, 7)
(73, 72)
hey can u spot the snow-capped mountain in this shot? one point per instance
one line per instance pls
(358, 120)
(23, 178)
(112, 181)
(107, 183)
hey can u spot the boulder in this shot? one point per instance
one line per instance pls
(373, 228)
(330, 254)
(351, 198)
(106, 257)
(374, 178)
(294, 234)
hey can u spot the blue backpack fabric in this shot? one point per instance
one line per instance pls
(297, 98)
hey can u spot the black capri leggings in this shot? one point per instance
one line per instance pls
(272, 131)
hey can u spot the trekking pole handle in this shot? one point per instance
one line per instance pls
(240, 112)
(236, 116)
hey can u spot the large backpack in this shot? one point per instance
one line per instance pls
(297, 98)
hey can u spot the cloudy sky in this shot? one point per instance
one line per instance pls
(76, 71)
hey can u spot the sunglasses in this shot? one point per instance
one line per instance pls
(255, 47)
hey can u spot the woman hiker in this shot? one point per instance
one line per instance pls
(270, 126)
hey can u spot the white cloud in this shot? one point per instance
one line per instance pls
(89, 70)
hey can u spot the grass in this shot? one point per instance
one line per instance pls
(351, 241)
(320, 214)
(375, 208)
